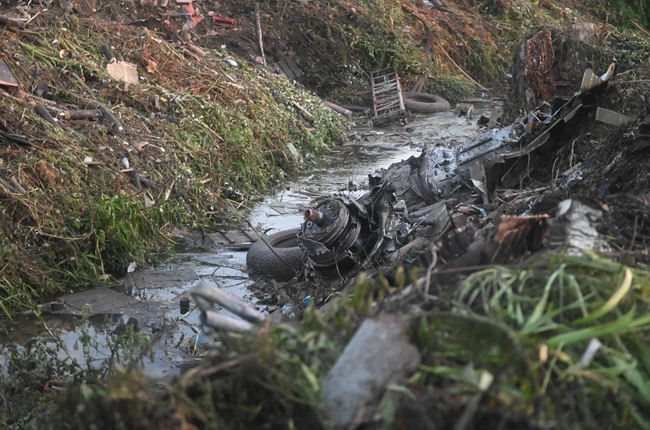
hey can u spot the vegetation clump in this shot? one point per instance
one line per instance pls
(560, 340)
(200, 135)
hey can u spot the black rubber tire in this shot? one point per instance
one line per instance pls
(425, 102)
(281, 263)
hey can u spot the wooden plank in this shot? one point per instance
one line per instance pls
(387, 95)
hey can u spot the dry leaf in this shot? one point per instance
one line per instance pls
(152, 66)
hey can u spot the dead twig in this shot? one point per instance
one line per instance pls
(225, 365)
(444, 51)
(304, 112)
(636, 219)
(83, 84)
(637, 25)
(8, 186)
(434, 261)
(259, 31)
(17, 185)
(195, 49)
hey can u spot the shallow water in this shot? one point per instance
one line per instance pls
(152, 297)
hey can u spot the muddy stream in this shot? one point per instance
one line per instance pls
(104, 326)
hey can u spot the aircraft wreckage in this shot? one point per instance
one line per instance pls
(408, 201)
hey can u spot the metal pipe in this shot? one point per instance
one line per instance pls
(313, 215)
(208, 291)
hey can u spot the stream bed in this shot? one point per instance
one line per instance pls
(138, 321)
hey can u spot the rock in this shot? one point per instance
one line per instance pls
(378, 354)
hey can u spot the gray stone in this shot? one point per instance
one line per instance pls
(294, 152)
(161, 278)
(100, 300)
(378, 354)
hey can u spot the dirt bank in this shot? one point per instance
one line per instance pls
(198, 133)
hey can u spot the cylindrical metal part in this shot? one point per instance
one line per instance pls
(209, 291)
(224, 322)
(313, 215)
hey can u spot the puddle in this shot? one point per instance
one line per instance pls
(149, 301)
(89, 342)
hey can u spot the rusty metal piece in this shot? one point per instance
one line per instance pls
(516, 237)
(7, 77)
(313, 215)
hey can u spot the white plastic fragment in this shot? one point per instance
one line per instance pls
(131, 267)
(590, 352)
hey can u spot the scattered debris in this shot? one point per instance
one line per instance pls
(223, 20)
(207, 295)
(123, 71)
(11, 22)
(45, 114)
(377, 355)
(612, 118)
(388, 104)
(574, 228)
(95, 114)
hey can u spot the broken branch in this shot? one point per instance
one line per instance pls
(259, 31)
(336, 108)
(10, 22)
(195, 50)
(444, 51)
(304, 112)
